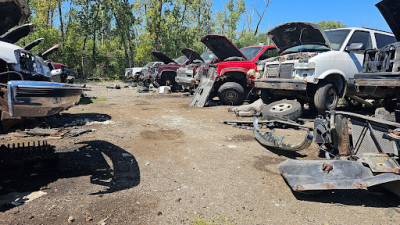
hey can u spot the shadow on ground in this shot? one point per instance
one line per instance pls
(89, 160)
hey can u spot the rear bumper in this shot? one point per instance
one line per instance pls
(40, 99)
(281, 84)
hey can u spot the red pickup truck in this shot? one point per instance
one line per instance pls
(232, 84)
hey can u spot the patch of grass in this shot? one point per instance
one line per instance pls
(103, 99)
(220, 220)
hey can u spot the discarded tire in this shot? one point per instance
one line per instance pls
(231, 93)
(326, 98)
(283, 109)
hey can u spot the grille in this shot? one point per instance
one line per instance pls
(272, 71)
(282, 71)
(286, 71)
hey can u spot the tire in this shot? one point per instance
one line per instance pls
(283, 109)
(326, 98)
(231, 93)
(266, 97)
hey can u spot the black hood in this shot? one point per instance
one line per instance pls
(221, 46)
(33, 44)
(50, 51)
(12, 13)
(191, 55)
(390, 10)
(163, 58)
(293, 34)
(17, 33)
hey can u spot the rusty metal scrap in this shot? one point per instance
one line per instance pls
(271, 140)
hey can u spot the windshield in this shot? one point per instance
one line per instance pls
(251, 52)
(181, 59)
(148, 65)
(337, 37)
(306, 48)
(207, 56)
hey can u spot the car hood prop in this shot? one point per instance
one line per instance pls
(222, 47)
(162, 57)
(293, 34)
(390, 9)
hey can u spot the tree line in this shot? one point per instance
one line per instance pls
(99, 38)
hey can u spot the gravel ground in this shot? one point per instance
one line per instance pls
(152, 159)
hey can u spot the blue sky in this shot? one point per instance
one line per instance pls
(353, 13)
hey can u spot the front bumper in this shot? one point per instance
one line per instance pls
(281, 84)
(40, 99)
(185, 81)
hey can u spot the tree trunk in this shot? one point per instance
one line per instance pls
(158, 28)
(61, 20)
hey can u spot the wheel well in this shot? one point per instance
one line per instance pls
(168, 75)
(338, 80)
(237, 77)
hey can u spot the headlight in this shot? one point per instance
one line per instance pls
(260, 67)
(189, 72)
(304, 66)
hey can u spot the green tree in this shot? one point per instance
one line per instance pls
(331, 24)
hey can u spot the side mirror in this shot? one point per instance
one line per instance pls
(355, 47)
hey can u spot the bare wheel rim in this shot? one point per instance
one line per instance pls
(282, 107)
(331, 98)
(231, 96)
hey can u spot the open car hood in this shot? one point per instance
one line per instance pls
(33, 44)
(390, 10)
(50, 51)
(12, 13)
(163, 58)
(293, 34)
(191, 55)
(221, 46)
(17, 33)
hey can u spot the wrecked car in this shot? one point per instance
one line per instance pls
(380, 76)
(185, 76)
(25, 88)
(314, 66)
(164, 75)
(134, 74)
(361, 152)
(228, 77)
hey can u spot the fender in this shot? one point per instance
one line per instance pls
(329, 72)
(233, 69)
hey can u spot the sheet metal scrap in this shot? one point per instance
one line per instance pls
(311, 175)
(365, 151)
(271, 140)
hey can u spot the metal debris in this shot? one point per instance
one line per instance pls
(269, 139)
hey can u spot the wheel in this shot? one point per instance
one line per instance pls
(326, 98)
(283, 109)
(266, 96)
(231, 93)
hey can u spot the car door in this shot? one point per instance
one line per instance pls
(356, 58)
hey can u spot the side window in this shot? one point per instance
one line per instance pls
(382, 40)
(361, 37)
(271, 52)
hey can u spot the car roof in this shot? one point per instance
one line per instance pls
(363, 29)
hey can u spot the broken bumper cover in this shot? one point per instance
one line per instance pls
(40, 99)
(312, 175)
(281, 84)
(269, 139)
(185, 81)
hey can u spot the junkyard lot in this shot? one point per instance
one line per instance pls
(190, 166)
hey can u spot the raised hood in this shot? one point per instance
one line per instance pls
(17, 33)
(33, 44)
(50, 51)
(191, 55)
(163, 58)
(221, 46)
(390, 10)
(12, 13)
(293, 34)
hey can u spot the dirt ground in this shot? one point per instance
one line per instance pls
(152, 159)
